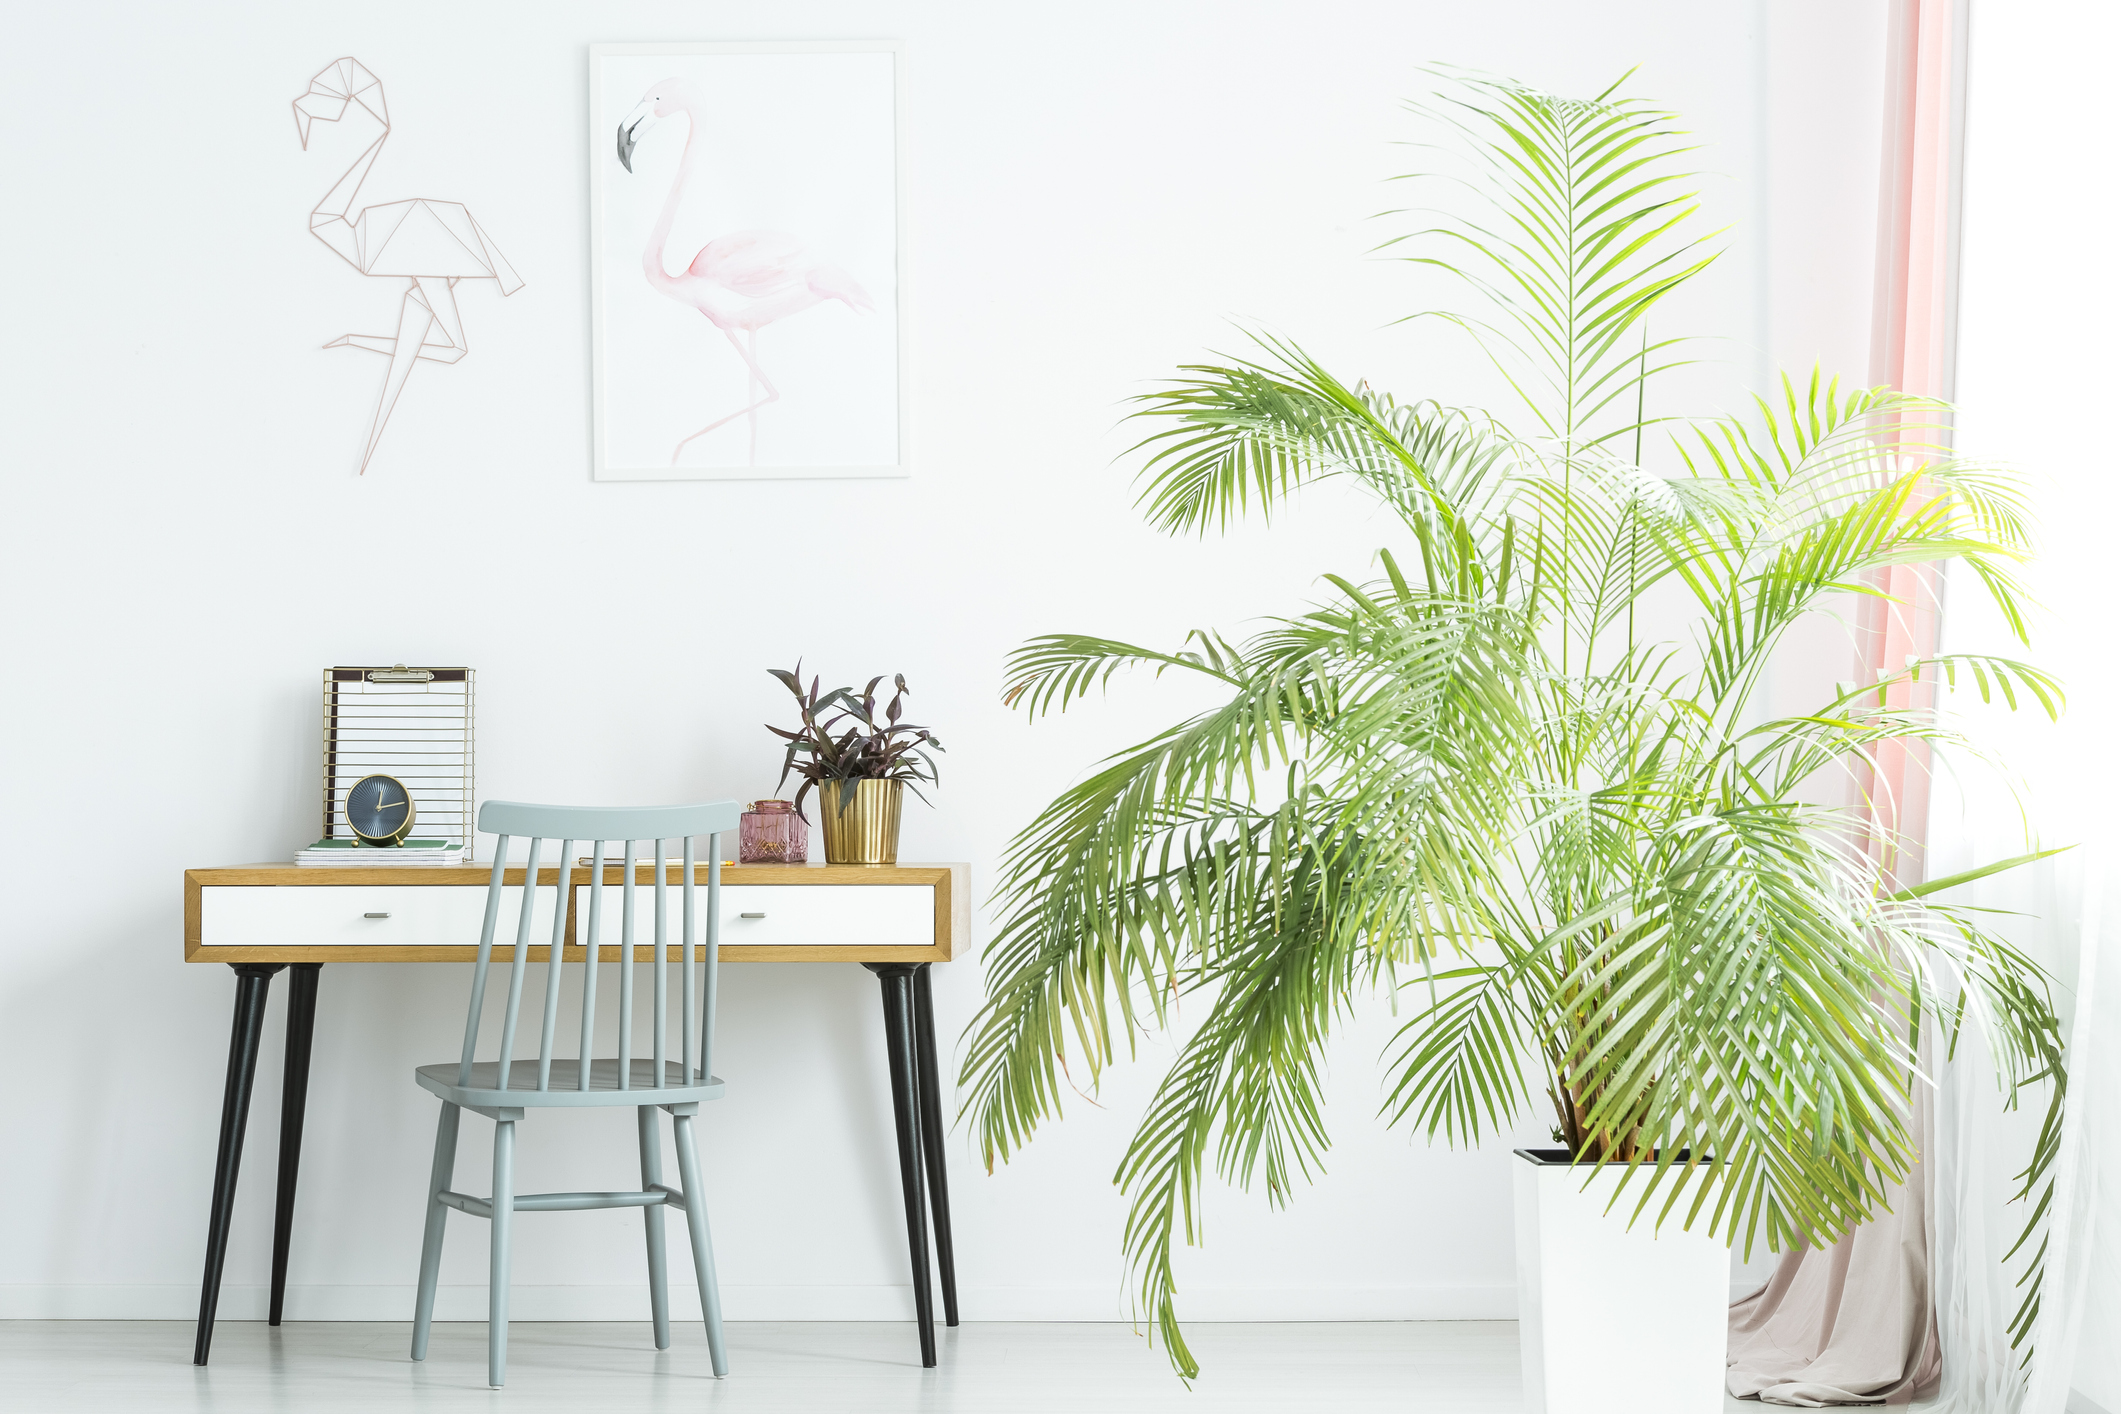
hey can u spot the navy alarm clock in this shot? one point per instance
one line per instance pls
(380, 810)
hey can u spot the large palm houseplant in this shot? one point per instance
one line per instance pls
(1604, 883)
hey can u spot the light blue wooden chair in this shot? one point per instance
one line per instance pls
(505, 1089)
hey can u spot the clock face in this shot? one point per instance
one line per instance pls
(379, 809)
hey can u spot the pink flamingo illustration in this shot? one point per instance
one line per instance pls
(742, 281)
(433, 244)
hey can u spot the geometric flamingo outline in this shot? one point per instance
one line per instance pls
(431, 244)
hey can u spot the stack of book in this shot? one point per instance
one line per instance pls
(353, 852)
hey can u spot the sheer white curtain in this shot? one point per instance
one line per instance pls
(2063, 912)
(2038, 366)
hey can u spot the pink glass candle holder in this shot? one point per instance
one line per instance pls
(771, 832)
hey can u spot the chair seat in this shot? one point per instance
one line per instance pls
(484, 1090)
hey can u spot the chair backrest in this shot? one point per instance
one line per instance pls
(570, 825)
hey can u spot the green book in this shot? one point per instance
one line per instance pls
(407, 845)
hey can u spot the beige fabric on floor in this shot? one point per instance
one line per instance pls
(1848, 1325)
(1855, 1323)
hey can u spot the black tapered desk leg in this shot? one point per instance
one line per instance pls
(897, 979)
(932, 1132)
(294, 1101)
(252, 981)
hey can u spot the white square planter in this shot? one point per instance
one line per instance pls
(1612, 1318)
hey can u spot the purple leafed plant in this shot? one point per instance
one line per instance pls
(840, 739)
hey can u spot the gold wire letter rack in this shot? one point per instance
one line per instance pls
(411, 723)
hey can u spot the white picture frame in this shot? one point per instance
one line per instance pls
(792, 194)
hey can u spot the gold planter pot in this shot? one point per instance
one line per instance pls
(860, 820)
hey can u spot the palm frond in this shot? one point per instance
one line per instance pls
(1591, 228)
(1048, 672)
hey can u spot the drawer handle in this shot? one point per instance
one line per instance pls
(375, 915)
(751, 915)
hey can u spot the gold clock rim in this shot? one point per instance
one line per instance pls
(403, 832)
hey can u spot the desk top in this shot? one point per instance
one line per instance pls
(951, 882)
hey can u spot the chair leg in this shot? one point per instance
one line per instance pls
(652, 1217)
(504, 1211)
(438, 1179)
(702, 1246)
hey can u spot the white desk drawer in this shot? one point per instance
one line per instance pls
(787, 915)
(337, 917)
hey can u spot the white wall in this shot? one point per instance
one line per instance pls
(1825, 117)
(1096, 190)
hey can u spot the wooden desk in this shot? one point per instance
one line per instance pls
(896, 920)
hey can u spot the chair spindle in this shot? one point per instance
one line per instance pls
(591, 961)
(555, 963)
(714, 954)
(662, 969)
(522, 957)
(691, 937)
(626, 972)
(478, 973)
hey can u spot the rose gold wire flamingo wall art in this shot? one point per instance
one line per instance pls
(430, 244)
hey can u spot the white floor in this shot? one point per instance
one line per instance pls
(144, 1367)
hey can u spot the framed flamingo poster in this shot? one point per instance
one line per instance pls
(744, 261)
